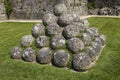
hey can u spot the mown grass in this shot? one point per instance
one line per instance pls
(106, 68)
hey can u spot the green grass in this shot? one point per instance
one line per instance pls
(106, 68)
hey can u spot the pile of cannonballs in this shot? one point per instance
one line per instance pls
(63, 39)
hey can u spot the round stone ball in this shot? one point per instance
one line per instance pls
(49, 18)
(16, 53)
(28, 54)
(101, 39)
(44, 55)
(81, 62)
(97, 47)
(53, 29)
(60, 9)
(70, 31)
(57, 42)
(38, 30)
(85, 23)
(92, 53)
(61, 58)
(65, 19)
(80, 26)
(93, 32)
(27, 40)
(42, 41)
(75, 45)
(86, 38)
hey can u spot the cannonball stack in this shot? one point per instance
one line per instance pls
(64, 40)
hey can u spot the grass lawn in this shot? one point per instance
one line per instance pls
(106, 68)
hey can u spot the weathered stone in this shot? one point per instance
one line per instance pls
(93, 32)
(103, 39)
(35, 9)
(57, 41)
(38, 30)
(27, 40)
(81, 62)
(75, 45)
(80, 26)
(92, 53)
(3, 15)
(49, 18)
(71, 31)
(53, 29)
(42, 41)
(60, 9)
(97, 47)
(16, 52)
(66, 19)
(85, 23)
(61, 58)
(86, 38)
(28, 54)
(44, 55)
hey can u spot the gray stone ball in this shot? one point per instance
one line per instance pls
(86, 38)
(85, 23)
(57, 42)
(92, 53)
(44, 55)
(49, 18)
(38, 30)
(97, 47)
(28, 54)
(80, 26)
(65, 19)
(60, 9)
(93, 32)
(101, 39)
(71, 31)
(42, 41)
(53, 29)
(75, 45)
(81, 62)
(61, 58)
(16, 53)
(27, 40)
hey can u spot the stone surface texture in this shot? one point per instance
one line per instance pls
(44, 55)
(68, 41)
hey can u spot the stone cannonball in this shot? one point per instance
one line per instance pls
(44, 55)
(86, 38)
(16, 53)
(70, 31)
(28, 54)
(65, 19)
(60, 9)
(75, 45)
(42, 41)
(57, 42)
(49, 18)
(101, 39)
(38, 30)
(53, 29)
(81, 62)
(61, 58)
(92, 53)
(97, 47)
(27, 40)
(93, 32)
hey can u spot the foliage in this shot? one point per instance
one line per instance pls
(8, 6)
(106, 68)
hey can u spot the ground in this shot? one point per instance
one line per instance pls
(106, 68)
